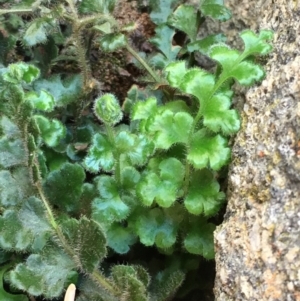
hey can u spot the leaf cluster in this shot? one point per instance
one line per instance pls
(85, 177)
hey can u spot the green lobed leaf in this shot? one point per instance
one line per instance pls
(96, 6)
(185, 18)
(200, 239)
(44, 101)
(120, 238)
(161, 9)
(170, 128)
(110, 207)
(64, 91)
(39, 274)
(24, 228)
(112, 42)
(100, 155)
(215, 9)
(175, 73)
(218, 117)
(204, 196)
(164, 187)
(51, 131)
(88, 240)
(207, 150)
(132, 281)
(144, 109)
(63, 187)
(163, 41)
(21, 71)
(155, 227)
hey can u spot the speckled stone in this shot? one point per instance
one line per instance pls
(258, 244)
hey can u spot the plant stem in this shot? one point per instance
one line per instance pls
(143, 62)
(16, 10)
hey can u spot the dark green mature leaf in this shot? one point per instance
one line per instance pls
(97, 6)
(112, 42)
(24, 228)
(64, 91)
(200, 239)
(51, 131)
(100, 155)
(64, 186)
(132, 281)
(120, 238)
(43, 274)
(208, 150)
(110, 207)
(161, 9)
(154, 226)
(163, 41)
(163, 187)
(185, 18)
(4, 295)
(215, 9)
(88, 240)
(204, 196)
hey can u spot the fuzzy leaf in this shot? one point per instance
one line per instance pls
(200, 240)
(204, 196)
(64, 91)
(52, 131)
(112, 42)
(44, 101)
(100, 155)
(109, 207)
(163, 41)
(88, 240)
(257, 44)
(19, 72)
(63, 187)
(39, 274)
(162, 188)
(131, 279)
(4, 295)
(208, 150)
(185, 18)
(218, 117)
(206, 43)
(143, 110)
(215, 9)
(24, 228)
(96, 6)
(155, 227)
(170, 128)
(160, 10)
(175, 73)
(120, 238)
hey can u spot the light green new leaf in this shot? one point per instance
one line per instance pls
(257, 44)
(112, 42)
(218, 117)
(204, 196)
(208, 150)
(185, 18)
(120, 238)
(4, 295)
(44, 101)
(175, 73)
(109, 208)
(51, 131)
(25, 228)
(43, 274)
(170, 128)
(144, 109)
(21, 71)
(200, 239)
(155, 227)
(163, 188)
(100, 155)
(15, 186)
(96, 6)
(163, 41)
(215, 9)
(87, 240)
(63, 186)
(133, 280)
(129, 178)
(64, 91)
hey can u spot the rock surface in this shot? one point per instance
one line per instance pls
(258, 244)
